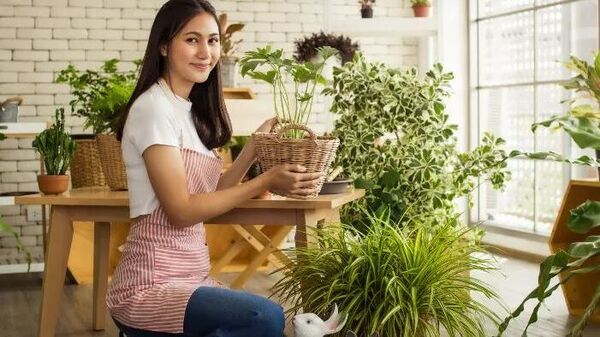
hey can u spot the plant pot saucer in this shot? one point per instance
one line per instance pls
(17, 194)
(338, 185)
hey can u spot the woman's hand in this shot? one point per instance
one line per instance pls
(267, 125)
(292, 181)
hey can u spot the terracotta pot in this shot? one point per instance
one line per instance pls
(53, 184)
(421, 11)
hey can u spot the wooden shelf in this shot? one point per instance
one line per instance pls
(408, 26)
(22, 130)
(238, 93)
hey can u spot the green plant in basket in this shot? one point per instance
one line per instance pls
(392, 281)
(99, 95)
(270, 65)
(56, 146)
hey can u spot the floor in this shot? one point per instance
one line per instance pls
(20, 296)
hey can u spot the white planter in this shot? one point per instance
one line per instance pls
(229, 70)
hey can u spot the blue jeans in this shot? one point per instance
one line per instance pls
(216, 312)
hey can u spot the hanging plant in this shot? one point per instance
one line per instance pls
(307, 48)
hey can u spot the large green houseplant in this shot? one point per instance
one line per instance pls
(579, 258)
(397, 143)
(57, 149)
(392, 281)
(99, 97)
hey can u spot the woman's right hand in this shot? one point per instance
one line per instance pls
(291, 180)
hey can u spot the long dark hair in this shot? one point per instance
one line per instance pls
(208, 106)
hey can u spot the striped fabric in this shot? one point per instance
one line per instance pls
(161, 265)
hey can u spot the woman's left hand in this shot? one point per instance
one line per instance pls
(267, 125)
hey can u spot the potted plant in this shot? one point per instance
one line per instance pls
(288, 143)
(307, 47)
(99, 97)
(391, 280)
(397, 143)
(366, 8)
(421, 8)
(228, 48)
(56, 148)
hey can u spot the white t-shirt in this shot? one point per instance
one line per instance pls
(157, 116)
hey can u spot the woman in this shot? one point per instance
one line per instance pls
(174, 119)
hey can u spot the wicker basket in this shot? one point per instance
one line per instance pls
(315, 153)
(109, 149)
(86, 169)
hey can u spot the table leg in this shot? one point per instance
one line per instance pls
(232, 252)
(59, 245)
(276, 240)
(101, 255)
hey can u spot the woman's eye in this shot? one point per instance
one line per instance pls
(192, 40)
(214, 40)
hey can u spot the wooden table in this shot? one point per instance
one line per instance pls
(102, 207)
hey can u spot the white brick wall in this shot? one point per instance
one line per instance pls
(38, 38)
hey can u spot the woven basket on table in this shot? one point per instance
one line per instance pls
(86, 169)
(109, 149)
(315, 153)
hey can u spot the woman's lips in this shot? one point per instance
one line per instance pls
(200, 66)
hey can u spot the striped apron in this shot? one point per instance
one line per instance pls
(161, 265)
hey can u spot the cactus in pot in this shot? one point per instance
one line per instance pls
(57, 149)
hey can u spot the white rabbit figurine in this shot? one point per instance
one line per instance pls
(310, 325)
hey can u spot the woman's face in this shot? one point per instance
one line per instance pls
(195, 50)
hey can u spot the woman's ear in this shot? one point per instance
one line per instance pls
(163, 50)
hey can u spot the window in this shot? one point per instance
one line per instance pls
(515, 48)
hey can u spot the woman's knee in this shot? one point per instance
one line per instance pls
(271, 318)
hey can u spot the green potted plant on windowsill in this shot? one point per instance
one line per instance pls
(288, 143)
(421, 8)
(366, 8)
(99, 97)
(57, 149)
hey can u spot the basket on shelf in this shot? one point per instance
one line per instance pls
(109, 149)
(86, 169)
(315, 153)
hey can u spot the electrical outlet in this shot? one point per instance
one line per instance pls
(34, 213)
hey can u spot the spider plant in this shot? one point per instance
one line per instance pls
(392, 280)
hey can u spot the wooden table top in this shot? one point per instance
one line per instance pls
(102, 196)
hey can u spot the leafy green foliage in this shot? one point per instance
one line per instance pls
(582, 121)
(391, 280)
(269, 65)
(56, 145)
(567, 264)
(2, 136)
(420, 2)
(100, 95)
(396, 142)
(4, 227)
(228, 45)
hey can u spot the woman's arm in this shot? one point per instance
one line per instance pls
(239, 167)
(167, 174)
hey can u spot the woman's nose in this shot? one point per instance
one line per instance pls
(203, 50)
